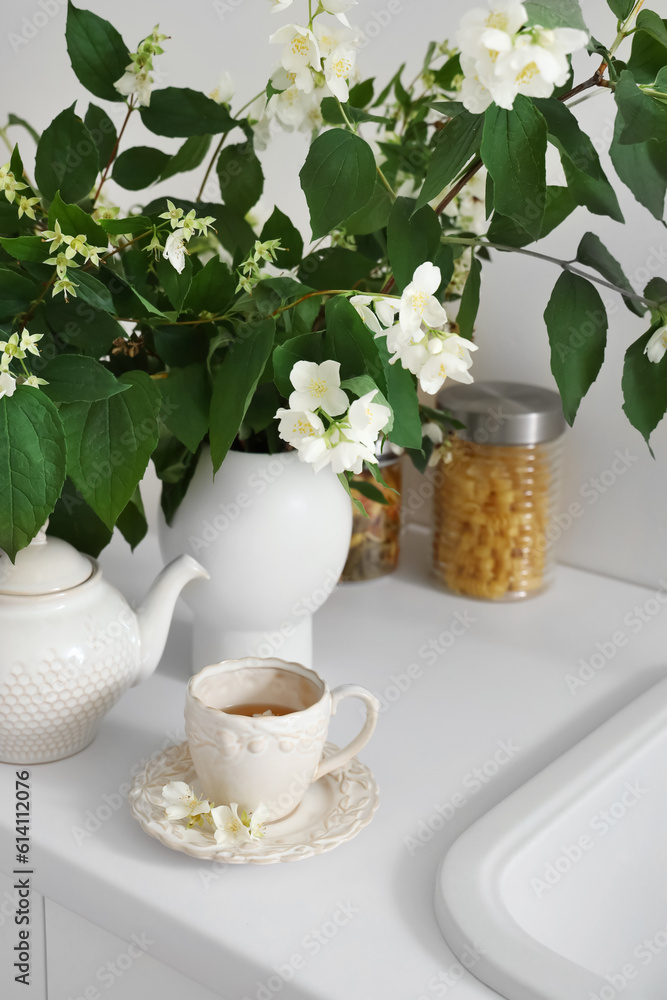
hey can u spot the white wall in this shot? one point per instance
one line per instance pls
(621, 532)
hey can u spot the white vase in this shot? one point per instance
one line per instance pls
(274, 537)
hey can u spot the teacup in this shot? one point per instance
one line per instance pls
(259, 758)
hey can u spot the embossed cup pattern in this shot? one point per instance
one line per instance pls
(269, 759)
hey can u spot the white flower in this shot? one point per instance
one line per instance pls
(29, 342)
(367, 419)
(229, 827)
(181, 801)
(300, 54)
(412, 356)
(383, 316)
(345, 454)
(418, 304)
(61, 263)
(174, 249)
(657, 345)
(34, 382)
(11, 348)
(452, 362)
(278, 6)
(224, 92)
(75, 244)
(329, 37)
(173, 214)
(317, 386)
(10, 185)
(481, 31)
(7, 384)
(55, 235)
(303, 430)
(25, 206)
(64, 286)
(258, 819)
(259, 119)
(338, 8)
(135, 81)
(433, 432)
(296, 109)
(337, 68)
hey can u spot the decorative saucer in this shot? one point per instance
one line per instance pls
(333, 811)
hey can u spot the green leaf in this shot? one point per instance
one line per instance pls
(559, 205)
(593, 253)
(190, 155)
(644, 386)
(656, 290)
(66, 158)
(132, 522)
(186, 401)
(32, 466)
(644, 118)
(368, 490)
(26, 248)
(235, 383)
(16, 293)
(234, 232)
(181, 112)
(581, 163)
(103, 133)
(338, 179)
(514, 146)
(412, 238)
(73, 221)
(97, 52)
(642, 168)
(469, 307)
(15, 120)
(373, 216)
(621, 8)
(306, 347)
(280, 227)
(134, 226)
(332, 113)
(653, 25)
(212, 289)
(361, 95)
(448, 73)
(647, 57)
(139, 167)
(555, 14)
(346, 480)
(349, 341)
(458, 142)
(402, 397)
(176, 285)
(109, 443)
(91, 290)
(335, 267)
(241, 176)
(78, 325)
(75, 522)
(577, 323)
(73, 378)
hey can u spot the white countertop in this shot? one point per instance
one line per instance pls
(503, 681)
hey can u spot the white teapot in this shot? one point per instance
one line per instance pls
(71, 646)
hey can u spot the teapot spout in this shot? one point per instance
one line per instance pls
(156, 610)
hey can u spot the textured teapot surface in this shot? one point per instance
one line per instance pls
(68, 656)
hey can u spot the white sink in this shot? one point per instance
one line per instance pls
(560, 891)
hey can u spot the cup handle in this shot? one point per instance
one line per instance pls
(372, 709)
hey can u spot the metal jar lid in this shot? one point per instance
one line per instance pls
(504, 412)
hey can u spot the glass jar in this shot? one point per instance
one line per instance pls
(374, 546)
(498, 493)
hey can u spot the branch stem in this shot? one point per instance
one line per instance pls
(114, 151)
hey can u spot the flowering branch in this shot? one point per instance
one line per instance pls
(114, 151)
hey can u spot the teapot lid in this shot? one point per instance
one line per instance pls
(47, 566)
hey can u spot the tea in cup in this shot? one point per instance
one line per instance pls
(256, 729)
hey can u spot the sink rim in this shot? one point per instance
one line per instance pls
(468, 898)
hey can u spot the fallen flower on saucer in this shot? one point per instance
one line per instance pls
(182, 803)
